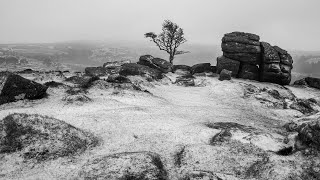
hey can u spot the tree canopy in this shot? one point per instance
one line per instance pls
(171, 37)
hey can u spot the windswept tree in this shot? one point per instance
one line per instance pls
(169, 39)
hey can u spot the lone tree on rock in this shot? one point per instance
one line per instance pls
(169, 39)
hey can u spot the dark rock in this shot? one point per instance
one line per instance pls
(41, 137)
(304, 106)
(243, 35)
(27, 71)
(83, 81)
(96, 71)
(228, 64)
(278, 78)
(249, 71)
(132, 69)
(313, 82)
(116, 63)
(116, 78)
(285, 57)
(14, 87)
(244, 57)
(200, 68)
(273, 67)
(285, 68)
(214, 69)
(53, 84)
(270, 55)
(182, 67)
(234, 47)
(155, 63)
(126, 166)
(225, 75)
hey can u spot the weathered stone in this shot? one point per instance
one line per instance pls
(116, 78)
(249, 71)
(278, 78)
(200, 68)
(313, 82)
(155, 63)
(128, 165)
(285, 57)
(41, 137)
(14, 87)
(228, 64)
(96, 71)
(182, 67)
(225, 75)
(270, 55)
(273, 67)
(83, 81)
(132, 69)
(285, 68)
(301, 82)
(234, 47)
(239, 39)
(244, 57)
(249, 36)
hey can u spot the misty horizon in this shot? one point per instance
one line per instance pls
(289, 24)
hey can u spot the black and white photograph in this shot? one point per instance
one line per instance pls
(159, 90)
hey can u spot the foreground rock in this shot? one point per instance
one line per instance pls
(14, 87)
(182, 70)
(155, 63)
(41, 137)
(129, 165)
(228, 64)
(132, 69)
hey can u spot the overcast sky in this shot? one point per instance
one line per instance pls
(291, 24)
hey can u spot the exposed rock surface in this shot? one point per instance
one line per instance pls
(225, 75)
(138, 69)
(200, 68)
(228, 64)
(313, 82)
(276, 65)
(14, 87)
(115, 63)
(255, 60)
(83, 81)
(185, 81)
(116, 78)
(156, 63)
(41, 137)
(128, 165)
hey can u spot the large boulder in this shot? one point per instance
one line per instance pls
(242, 35)
(14, 87)
(132, 69)
(228, 64)
(201, 68)
(127, 165)
(41, 137)
(276, 65)
(82, 81)
(156, 63)
(181, 67)
(185, 81)
(249, 71)
(234, 47)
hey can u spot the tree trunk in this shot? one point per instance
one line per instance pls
(171, 59)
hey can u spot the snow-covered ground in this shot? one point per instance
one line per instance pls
(170, 118)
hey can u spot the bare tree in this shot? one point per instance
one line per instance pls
(169, 39)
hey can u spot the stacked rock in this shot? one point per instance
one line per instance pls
(276, 65)
(241, 53)
(248, 58)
